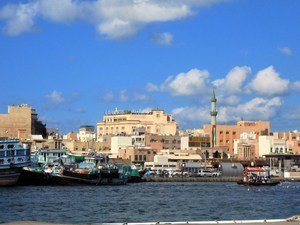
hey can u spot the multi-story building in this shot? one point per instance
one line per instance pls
(272, 145)
(86, 133)
(226, 134)
(127, 122)
(20, 122)
(246, 148)
(293, 139)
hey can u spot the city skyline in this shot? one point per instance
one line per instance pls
(74, 60)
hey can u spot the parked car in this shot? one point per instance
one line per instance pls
(206, 173)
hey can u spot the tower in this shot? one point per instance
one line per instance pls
(213, 117)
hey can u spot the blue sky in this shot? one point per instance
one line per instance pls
(74, 60)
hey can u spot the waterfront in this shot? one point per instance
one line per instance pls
(149, 202)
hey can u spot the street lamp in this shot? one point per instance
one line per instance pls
(182, 169)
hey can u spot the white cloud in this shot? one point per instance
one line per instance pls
(296, 86)
(115, 19)
(255, 109)
(184, 84)
(258, 109)
(187, 115)
(162, 38)
(234, 80)
(20, 18)
(267, 82)
(286, 51)
(59, 10)
(55, 97)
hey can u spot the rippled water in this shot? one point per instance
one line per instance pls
(149, 202)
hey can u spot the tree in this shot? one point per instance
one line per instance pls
(39, 128)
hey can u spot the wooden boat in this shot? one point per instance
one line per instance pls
(257, 176)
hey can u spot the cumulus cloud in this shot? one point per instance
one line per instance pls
(286, 51)
(19, 18)
(184, 84)
(295, 86)
(55, 97)
(234, 80)
(267, 82)
(115, 19)
(162, 38)
(255, 109)
(187, 115)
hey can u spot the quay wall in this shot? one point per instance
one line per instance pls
(207, 179)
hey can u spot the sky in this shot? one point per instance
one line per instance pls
(75, 60)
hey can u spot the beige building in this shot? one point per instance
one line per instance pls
(246, 148)
(293, 139)
(128, 122)
(272, 145)
(226, 134)
(18, 123)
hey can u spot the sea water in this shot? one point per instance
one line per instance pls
(149, 202)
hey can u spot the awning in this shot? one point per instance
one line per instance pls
(255, 169)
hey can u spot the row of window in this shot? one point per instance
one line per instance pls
(227, 132)
(9, 153)
(9, 146)
(140, 158)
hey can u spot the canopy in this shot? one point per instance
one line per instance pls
(255, 169)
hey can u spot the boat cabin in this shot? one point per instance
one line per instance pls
(256, 175)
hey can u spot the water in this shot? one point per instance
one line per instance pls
(149, 202)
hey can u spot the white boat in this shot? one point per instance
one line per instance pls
(13, 157)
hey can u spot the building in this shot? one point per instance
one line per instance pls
(293, 139)
(20, 122)
(86, 133)
(226, 134)
(159, 142)
(271, 145)
(137, 155)
(246, 148)
(127, 122)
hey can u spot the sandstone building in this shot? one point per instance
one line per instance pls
(127, 122)
(20, 122)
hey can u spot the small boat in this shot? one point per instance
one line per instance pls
(13, 157)
(257, 176)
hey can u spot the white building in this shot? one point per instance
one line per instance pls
(86, 133)
(271, 145)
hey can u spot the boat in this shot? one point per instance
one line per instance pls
(134, 176)
(13, 157)
(257, 176)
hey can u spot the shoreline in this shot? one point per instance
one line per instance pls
(295, 220)
(208, 179)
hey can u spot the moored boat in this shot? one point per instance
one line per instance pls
(13, 157)
(257, 176)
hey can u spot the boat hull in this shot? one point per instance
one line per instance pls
(272, 183)
(34, 177)
(9, 177)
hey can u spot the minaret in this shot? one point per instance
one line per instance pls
(213, 116)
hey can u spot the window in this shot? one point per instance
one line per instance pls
(10, 153)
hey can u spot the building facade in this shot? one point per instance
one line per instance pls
(19, 122)
(127, 122)
(226, 134)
